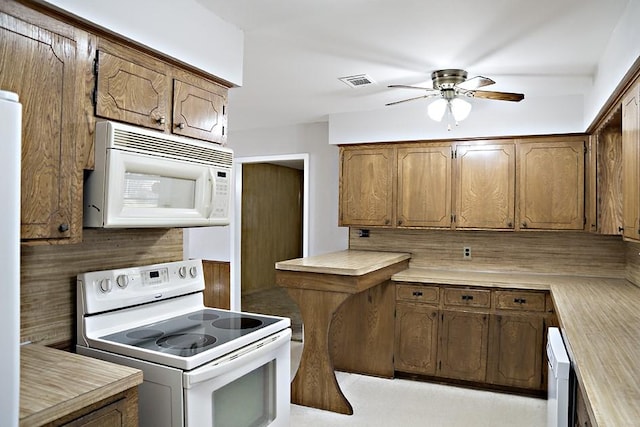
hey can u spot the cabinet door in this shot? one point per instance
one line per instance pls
(40, 66)
(199, 112)
(129, 92)
(366, 186)
(515, 353)
(112, 415)
(424, 187)
(485, 186)
(631, 165)
(551, 185)
(462, 351)
(416, 339)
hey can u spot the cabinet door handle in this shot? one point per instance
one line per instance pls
(180, 125)
(524, 225)
(161, 120)
(417, 293)
(467, 297)
(63, 228)
(520, 300)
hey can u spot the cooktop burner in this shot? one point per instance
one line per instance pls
(242, 322)
(192, 333)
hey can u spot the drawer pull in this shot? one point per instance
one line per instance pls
(467, 297)
(417, 293)
(520, 300)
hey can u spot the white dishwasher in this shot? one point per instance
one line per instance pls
(559, 366)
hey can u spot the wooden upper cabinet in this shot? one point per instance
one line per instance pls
(424, 186)
(485, 185)
(199, 111)
(136, 88)
(366, 186)
(130, 92)
(631, 164)
(551, 184)
(40, 66)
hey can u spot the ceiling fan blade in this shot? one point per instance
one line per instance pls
(429, 95)
(411, 87)
(475, 83)
(500, 96)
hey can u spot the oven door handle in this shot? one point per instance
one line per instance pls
(236, 359)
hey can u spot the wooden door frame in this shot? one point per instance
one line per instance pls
(289, 160)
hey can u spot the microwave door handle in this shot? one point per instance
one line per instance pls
(210, 190)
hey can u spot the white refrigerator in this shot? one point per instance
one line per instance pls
(10, 148)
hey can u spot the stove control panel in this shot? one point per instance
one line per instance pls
(110, 289)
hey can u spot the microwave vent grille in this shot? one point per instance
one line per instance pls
(177, 149)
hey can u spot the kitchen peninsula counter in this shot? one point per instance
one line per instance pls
(320, 285)
(346, 263)
(59, 386)
(600, 319)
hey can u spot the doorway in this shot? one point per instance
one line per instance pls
(271, 224)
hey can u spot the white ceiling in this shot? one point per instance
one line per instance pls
(295, 50)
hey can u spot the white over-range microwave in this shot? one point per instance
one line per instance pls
(144, 178)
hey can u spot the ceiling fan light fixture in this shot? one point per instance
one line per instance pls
(460, 109)
(437, 108)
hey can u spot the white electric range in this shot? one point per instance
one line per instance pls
(202, 366)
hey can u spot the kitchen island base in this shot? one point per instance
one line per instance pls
(319, 292)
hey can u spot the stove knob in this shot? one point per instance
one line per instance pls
(122, 280)
(182, 272)
(105, 285)
(193, 272)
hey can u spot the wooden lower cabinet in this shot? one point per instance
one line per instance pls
(416, 338)
(498, 342)
(515, 351)
(111, 415)
(462, 349)
(362, 332)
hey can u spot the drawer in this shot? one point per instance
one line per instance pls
(460, 297)
(518, 300)
(417, 293)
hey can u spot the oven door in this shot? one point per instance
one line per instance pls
(247, 388)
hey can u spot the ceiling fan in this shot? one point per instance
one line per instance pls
(451, 85)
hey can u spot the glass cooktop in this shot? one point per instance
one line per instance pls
(192, 333)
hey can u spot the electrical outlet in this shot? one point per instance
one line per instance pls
(466, 252)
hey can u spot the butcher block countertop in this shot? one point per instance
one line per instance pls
(346, 263)
(600, 319)
(56, 383)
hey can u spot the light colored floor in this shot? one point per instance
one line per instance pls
(390, 403)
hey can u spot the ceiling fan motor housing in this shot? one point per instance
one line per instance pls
(447, 79)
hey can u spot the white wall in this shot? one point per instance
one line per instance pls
(184, 30)
(324, 233)
(621, 52)
(409, 121)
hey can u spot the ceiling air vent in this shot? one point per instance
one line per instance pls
(357, 81)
